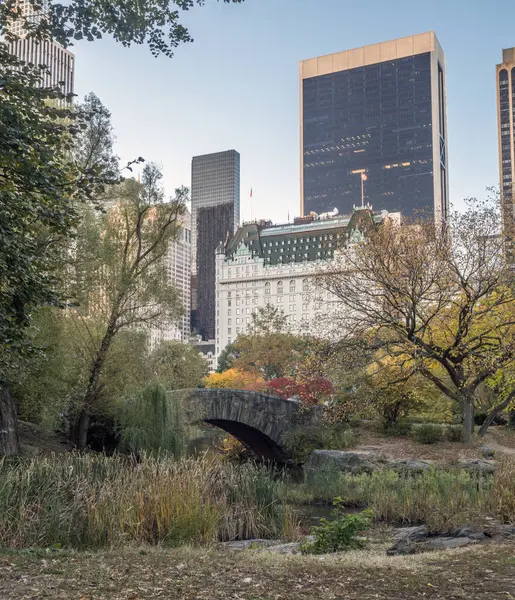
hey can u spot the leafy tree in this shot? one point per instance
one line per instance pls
(226, 358)
(177, 366)
(153, 22)
(236, 380)
(119, 270)
(439, 304)
(93, 149)
(311, 391)
(268, 320)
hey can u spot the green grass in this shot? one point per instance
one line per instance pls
(443, 499)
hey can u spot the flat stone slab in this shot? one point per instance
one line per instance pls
(446, 543)
(479, 465)
(409, 464)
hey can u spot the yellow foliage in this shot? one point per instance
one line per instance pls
(235, 379)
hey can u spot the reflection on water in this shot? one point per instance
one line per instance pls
(205, 440)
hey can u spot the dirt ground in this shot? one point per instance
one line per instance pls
(34, 441)
(476, 573)
(499, 439)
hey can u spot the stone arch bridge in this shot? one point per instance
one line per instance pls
(260, 422)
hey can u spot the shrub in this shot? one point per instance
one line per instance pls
(233, 449)
(339, 534)
(453, 433)
(503, 490)
(427, 433)
(151, 422)
(399, 429)
(480, 417)
(303, 440)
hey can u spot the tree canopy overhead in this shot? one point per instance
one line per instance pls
(153, 22)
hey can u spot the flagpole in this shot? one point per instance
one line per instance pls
(251, 204)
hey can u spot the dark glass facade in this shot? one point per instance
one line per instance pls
(375, 119)
(215, 208)
(214, 225)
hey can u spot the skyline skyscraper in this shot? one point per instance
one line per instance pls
(505, 74)
(215, 211)
(373, 128)
(59, 61)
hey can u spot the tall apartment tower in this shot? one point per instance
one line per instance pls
(373, 128)
(215, 211)
(60, 62)
(506, 123)
(178, 269)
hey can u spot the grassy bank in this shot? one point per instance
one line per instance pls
(478, 573)
(95, 502)
(72, 501)
(443, 499)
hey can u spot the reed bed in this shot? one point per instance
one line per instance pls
(443, 499)
(94, 502)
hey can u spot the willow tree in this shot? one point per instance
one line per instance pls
(437, 304)
(119, 275)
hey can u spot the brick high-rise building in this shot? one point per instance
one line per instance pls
(506, 124)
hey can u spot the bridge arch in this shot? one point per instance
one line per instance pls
(261, 422)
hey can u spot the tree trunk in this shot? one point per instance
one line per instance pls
(92, 391)
(467, 405)
(9, 442)
(493, 413)
(82, 429)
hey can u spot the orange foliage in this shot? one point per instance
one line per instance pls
(236, 379)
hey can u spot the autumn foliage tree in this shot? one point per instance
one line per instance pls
(235, 379)
(439, 304)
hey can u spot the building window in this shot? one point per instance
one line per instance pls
(279, 287)
(305, 285)
(229, 331)
(229, 322)
(267, 288)
(292, 286)
(237, 322)
(237, 311)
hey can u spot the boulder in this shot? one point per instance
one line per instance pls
(405, 538)
(412, 534)
(446, 543)
(478, 465)
(291, 548)
(250, 544)
(487, 452)
(470, 532)
(339, 461)
(410, 465)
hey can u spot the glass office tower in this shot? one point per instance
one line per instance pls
(506, 124)
(373, 129)
(215, 208)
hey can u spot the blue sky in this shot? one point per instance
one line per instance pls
(237, 86)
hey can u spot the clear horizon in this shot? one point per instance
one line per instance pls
(236, 87)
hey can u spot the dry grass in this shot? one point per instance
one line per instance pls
(94, 502)
(477, 573)
(404, 447)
